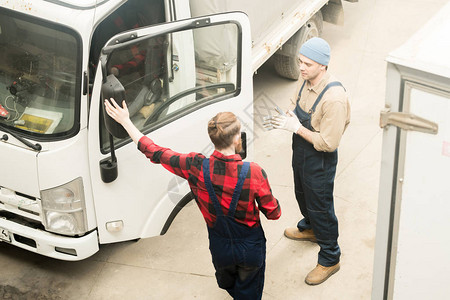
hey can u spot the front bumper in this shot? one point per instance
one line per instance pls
(49, 244)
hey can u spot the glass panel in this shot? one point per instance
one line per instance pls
(170, 75)
(38, 76)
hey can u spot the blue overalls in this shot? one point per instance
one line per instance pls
(238, 251)
(314, 173)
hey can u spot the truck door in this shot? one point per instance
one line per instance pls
(422, 197)
(176, 78)
(417, 213)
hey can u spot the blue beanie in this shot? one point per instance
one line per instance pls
(316, 49)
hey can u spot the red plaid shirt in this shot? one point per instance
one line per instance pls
(256, 194)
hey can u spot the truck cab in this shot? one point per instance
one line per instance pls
(57, 197)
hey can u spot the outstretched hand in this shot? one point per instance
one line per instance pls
(119, 114)
(122, 116)
(287, 122)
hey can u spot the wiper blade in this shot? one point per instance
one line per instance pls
(36, 147)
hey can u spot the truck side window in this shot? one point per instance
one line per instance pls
(172, 75)
(131, 15)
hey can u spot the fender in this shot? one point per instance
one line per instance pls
(183, 202)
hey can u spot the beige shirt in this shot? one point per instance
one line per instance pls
(332, 114)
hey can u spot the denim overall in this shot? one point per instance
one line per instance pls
(314, 173)
(238, 251)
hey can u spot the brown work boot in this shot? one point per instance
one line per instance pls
(294, 234)
(320, 273)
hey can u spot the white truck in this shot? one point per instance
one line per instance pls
(70, 178)
(412, 239)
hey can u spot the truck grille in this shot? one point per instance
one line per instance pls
(20, 205)
(21, 220)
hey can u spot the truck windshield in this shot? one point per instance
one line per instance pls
(39, 76)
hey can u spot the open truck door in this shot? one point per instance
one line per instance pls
(174, 79)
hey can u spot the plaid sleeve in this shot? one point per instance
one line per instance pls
(177, 163)
(267, 203)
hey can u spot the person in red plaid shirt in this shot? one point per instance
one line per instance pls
(229, 192)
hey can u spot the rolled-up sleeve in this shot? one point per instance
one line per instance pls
(267, 203)
(330, 121)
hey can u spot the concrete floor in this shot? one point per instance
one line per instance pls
(178, 265)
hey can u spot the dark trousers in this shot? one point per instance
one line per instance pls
(314, 174)
(238, 251)
(239, 261)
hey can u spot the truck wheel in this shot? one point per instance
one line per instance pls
(286, 59)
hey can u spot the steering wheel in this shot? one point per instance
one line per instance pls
(228, 86)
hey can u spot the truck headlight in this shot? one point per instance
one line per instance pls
(64, 208)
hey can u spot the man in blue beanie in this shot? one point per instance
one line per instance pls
(320, 115)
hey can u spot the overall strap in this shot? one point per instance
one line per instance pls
(331, 84)
(209, 187)
(301, 89)
(297, 110)
(238, 189)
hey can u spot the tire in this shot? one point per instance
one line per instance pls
(286, 63)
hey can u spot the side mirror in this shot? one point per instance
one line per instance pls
(243, 153)
(112, 88)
